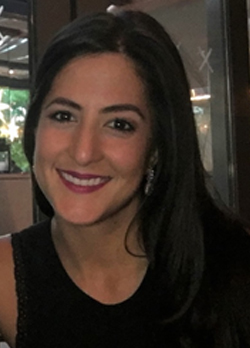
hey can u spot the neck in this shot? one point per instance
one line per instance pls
(96, 259)
(101, 243)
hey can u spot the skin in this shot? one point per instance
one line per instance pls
(8, 301)
(78, 131)
(95, 122)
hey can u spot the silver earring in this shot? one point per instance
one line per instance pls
(149, 181)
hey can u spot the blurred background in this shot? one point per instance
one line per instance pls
(212, 38)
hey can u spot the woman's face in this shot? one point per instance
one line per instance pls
(93, 140)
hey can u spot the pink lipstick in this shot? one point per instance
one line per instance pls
(82, 183)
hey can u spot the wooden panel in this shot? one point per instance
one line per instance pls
(86, 6)
(16, 208)
(49, 17)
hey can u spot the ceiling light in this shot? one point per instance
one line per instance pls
(201, 97)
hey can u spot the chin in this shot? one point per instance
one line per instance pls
(81, 217)
(74, 219)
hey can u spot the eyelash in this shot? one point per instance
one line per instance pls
(121, 125)
(61, 116)
(118, 124)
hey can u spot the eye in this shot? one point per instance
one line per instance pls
(62, 116)
(121, 125)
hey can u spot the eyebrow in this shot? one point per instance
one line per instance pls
(112, 108)
(65, 102)
(123, 107)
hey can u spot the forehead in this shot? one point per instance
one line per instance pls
(101, 68)
(102, 79)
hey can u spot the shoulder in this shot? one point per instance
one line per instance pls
(233, 302)
(8, 300)
(225, 294)
(228, 258)
(6, 259)
(30, 240)
(227, 246)
(16, 251)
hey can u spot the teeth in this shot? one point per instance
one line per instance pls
(82, 182)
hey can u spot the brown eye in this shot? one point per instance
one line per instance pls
(62, 116)
(121, 125)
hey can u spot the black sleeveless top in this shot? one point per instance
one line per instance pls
(54, 312)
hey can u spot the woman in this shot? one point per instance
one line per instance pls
(135, 253)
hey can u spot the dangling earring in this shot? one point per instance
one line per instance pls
(149, 183)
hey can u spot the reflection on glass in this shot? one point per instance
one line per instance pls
(13, 109)
(13, 47)
(4, 156)
(248, 16)
(201, 109)
(14, 87)
(185, 21)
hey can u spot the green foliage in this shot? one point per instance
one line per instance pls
(15, 97)
(18, 156)
(18, 102)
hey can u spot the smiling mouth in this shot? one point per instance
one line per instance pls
(86, 182)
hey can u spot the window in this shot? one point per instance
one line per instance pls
(14, 83)
(13, 109)
(198, 29)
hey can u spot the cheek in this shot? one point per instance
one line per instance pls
(130, 159)
(44, 151)
(45, 145)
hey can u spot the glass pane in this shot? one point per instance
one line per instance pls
(13, 109)
(13, 46)
(185, 21)
(14, 87)
(248, 15)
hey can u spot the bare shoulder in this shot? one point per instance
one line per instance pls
(8, 300)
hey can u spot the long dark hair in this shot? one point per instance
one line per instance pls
(174, 216)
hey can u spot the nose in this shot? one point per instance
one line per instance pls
(85, 146)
